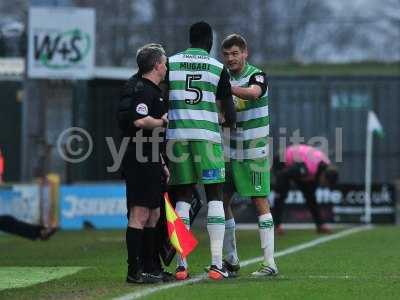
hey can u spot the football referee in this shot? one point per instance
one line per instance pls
(142, 114)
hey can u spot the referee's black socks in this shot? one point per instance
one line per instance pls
(134, 245)
(149, 249)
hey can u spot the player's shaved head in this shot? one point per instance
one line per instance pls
(201, 35)
(234, 40)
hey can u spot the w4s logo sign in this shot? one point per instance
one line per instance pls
(61, 50)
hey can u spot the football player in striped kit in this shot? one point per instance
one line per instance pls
(247, 170)
(196, 83)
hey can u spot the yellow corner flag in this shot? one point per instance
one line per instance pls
(181, 238)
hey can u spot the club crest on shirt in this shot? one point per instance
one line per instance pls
(142, 109)
(259, 78)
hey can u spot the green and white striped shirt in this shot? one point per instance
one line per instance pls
(193, 81)
(249, 140)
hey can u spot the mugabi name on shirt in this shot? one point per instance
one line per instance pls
(193, 78)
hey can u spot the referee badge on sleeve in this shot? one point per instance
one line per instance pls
(142, 109)
(259, 78)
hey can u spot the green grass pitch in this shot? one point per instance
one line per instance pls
(91, 265)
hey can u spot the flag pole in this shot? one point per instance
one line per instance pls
(368, 173)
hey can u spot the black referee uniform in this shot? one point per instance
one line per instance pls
(144, 178)
(143, 184)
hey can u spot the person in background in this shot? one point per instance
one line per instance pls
(12, 225)
(33, 232)
(308, 168)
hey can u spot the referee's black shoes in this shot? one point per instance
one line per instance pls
(166, 276)
(144, 278)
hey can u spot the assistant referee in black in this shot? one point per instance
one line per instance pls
(141, 115)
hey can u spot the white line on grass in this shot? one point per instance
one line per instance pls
(296, 226)
(290, 250)
(340, 277)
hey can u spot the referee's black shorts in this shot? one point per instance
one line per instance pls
(144, 183)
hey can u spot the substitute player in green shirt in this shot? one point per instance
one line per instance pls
(247, 171)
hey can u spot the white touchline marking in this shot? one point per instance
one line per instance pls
(290, 250)
(337, 277)
(296, 226)
(309, 244)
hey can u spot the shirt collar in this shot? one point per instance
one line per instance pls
(245, 67)
(197, 51)
(150, 83)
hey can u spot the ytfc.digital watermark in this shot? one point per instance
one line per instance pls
(75, 145)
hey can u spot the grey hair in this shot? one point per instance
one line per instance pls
(148, 55)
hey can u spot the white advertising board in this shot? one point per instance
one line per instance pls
(61, 43)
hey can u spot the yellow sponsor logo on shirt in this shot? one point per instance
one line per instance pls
(240, 103)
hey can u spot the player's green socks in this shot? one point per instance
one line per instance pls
(230, 242)
(183, 210)
(216, 230)
(266, 229)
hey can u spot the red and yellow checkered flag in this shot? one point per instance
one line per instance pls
(181, 238)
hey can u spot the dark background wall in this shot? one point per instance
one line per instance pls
(10, 128)
(319, 105)
(315, 107)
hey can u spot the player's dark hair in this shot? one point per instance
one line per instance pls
(234, 40)
(148, 56)
(201, 36)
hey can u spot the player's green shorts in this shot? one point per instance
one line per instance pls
(196, 162)
(250, 177)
